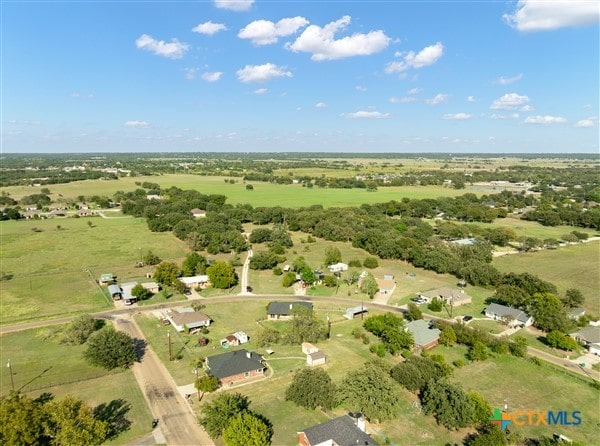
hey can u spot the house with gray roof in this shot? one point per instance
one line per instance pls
(115, 292)
(512, 317)
(283, 310)
(450, 296)
(232, 367)
(424, 337)
(590, 337)
(342, 431)
(187, 317)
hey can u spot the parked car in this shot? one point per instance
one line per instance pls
(249, 289)
(467, 318)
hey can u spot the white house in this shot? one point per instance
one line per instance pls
(195, 281)
(338, 267)
(513, 317)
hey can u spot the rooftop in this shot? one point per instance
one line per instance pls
(342, 431)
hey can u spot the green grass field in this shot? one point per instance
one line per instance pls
(532, 228)
(574, 266)
(41, 363)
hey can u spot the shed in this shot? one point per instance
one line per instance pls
(308, 348)
(351, 313)
(316, 358)
(115, 292)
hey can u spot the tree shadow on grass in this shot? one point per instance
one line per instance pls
(114, 413)
(140, 348)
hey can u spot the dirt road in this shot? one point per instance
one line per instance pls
(177, 425)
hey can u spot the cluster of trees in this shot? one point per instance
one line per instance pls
(389, 328)
(229, 417)
(47, 421)
(303, 327)
(221, 274)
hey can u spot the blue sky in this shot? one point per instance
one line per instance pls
(318, 76)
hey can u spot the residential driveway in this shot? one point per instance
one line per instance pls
(177, 424)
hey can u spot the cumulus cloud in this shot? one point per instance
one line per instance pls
(427, 56)
(440, 98)
(404, 100)
(211, 76)
(209, 28)
(544, 120)
(320, 105)
(535, 15)
(172, 50)
(587, 123)
(265, 32)
(321, 42)
(470, 98)
(502, 80)
(261, 91)
(190, 73)
(366, 115)
(497, 116)
(137, 124)
(234, 5)
(456, 116)
(261, 73)
(414, 91)
(509, 101)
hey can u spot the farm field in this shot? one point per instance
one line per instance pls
(48, 268)
(574, 266)
(519, 382)
(42, 364)
(532, 228)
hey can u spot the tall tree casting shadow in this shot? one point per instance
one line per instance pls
(115, 414)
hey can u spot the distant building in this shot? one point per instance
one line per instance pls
(448, 295)
(283, 310)
(513, 317)
(351, 313)
(464, 241)
(424, 337)
(338, 267)
(187, 317)
(342, 431)
(232, 367)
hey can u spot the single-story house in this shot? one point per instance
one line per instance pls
(187, 317)
(57, 213)
(153, 197)
(283, 310)
(512, 316)
(127, 296)
(316, 358)
(450, 296)
(464, 241)
(237, 338)
(342, 431)
(590, 337)
(308, 348)
(106, 279)
(351, 313)
(198, 213)
(385, 286)
(115, 292)
(153, 287)
(338, 267)
(232, 367)
(388, 277)
(201, 281)
(575, 313)
(423, 336)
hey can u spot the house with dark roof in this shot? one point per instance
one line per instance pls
(342, 431)
(232, 367)
(424, 337)
(283, 310)
(513, 317)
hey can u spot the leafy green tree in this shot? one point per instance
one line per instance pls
(193, 265)
(206, 383)
(280, 236)
(217, 413)
(109, 349)
(477, 352)
(299, 264)
(548, 312)
(167, 273)
(413, 312)
(371, 391)
(560, 340)
(371, 262)
(22, 421)
(332, 255)
(449, 403)
(482, 411)
(379, 323)
(260, 235)
(488, 435)
(305, 327)
(262, 260)
(368, 285)
(247, 429)
(312, 388)
(308, 276)
(448, 336)
(81, 329)
(72, 422)
(330, 281)
(416, 372)
(151, 259)
(267, 336)
(396, 339)
(518, 346)
(573, 298)
(140, 292)
(435, 305)
(222, 275)
(288, 279)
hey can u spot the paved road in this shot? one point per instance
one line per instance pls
(177, 424)
(565, 363)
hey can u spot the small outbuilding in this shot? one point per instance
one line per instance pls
(316, 358)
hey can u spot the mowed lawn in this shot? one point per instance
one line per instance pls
(48, 268)
(42, 364)
(575, 266)
(526, 386)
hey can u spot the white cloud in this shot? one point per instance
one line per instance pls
(414, 91)
(509, 101)
(587, 123)
(500, 117)
(456, 116)
(211, 76)
(209, 28)
(440, 98)
(427, 56)
(190, 73)
(535, 15)
(361, 88)
(544, 120)
(82, 96)
(137, 124)
(404, 100)
(320, 105)
(503, 80)
(173, 50)
(264, 32)
(320, 41)
(261, 91)
(366, 115)
(527, 108)
(234, 5)
(261, 73)
(470, 98)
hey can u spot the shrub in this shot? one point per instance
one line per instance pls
(370, 262)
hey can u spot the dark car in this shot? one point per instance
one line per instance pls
(467, 318)
(187, 292)
(249, 289)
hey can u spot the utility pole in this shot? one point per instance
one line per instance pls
(170, 346)
(12, 380)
